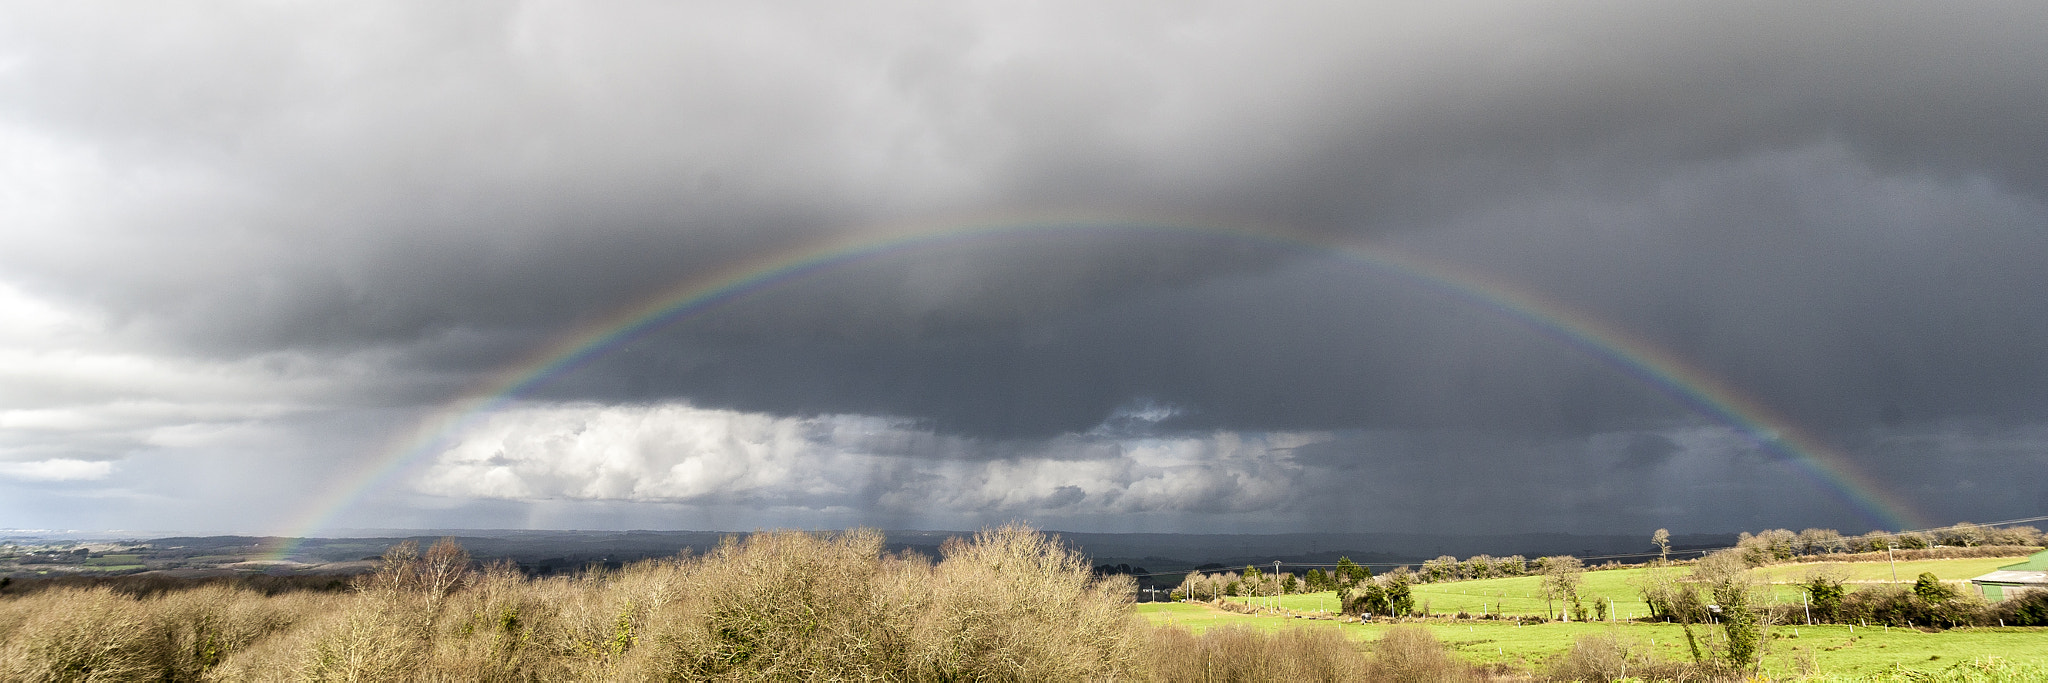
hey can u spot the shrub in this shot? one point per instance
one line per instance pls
(1946, 553)
(1410, 653)
(1766, 547)
(1237, 653)
(1899, 606)
(198, 629)
(1387, 594)
(66, 633)
(1824, 593)
(1930, 589)
(779, 605)
(80, 635)
(2026, 609)
(1611, 657)
(1008, 604)
(1015, 604)
(378, 640)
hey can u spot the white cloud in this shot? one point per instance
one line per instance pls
(678, 453)
(57, 469)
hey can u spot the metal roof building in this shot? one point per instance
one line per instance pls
(2013, 579)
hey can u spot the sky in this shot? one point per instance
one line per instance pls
(298, 267)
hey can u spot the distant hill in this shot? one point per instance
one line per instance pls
(1164, 555)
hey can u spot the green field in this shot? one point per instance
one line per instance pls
(1523, 595)
(1517, 596)
(1881, 572)
(1837, 650)
(115, 563)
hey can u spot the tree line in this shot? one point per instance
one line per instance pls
(1779, 545)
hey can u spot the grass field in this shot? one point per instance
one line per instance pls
(1835, 650)
(1523, 595)
(1881, 572)
(115, 563)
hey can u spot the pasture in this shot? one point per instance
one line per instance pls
(1837, 652)
(1882, 572)
(1523, 595)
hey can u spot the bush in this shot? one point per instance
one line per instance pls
(1824, 594)
(779, 605)
(66, 633)
(198, 629)
(73, 635)
(1410, 653)
(1237, 653)
(1899, 606)
(2026, 609)
(1014, 604)
(1388, 594)
(1009, 604)
(1903, 554)
(1610, 657)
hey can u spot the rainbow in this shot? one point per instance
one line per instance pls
(1629, 354)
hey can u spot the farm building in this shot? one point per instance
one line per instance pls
(2012, 579)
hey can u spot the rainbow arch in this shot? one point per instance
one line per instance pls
(1629, 354)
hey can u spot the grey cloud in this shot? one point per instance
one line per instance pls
(1835, 209)
(395, 171)
(1705, 477)
(1646, 450)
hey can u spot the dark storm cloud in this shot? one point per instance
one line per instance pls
(1325, 343)
(1835, 208)
(1646, 450)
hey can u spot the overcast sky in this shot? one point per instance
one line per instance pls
(245, 249)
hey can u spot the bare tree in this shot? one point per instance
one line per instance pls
(1191, 586)
(397, 572)
(1962, 534)
(1561, 576)
(445, 568)
(2015, 535)
(1820, 541)
(1768, 546)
